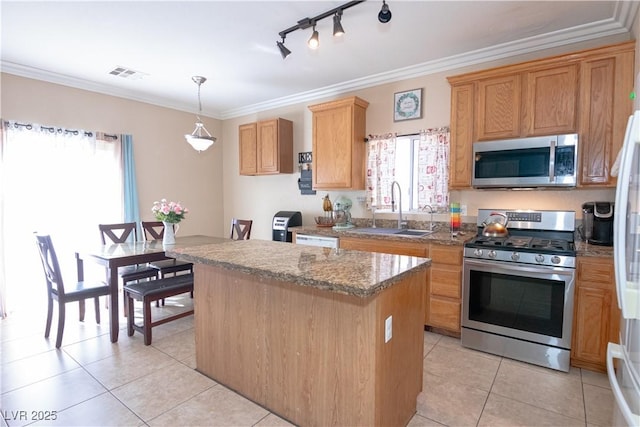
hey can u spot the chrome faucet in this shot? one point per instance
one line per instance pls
(393, 204)
(430, 216)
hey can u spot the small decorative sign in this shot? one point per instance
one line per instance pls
(304, 157)
(407, 105)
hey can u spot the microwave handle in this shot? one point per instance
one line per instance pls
(552, 161)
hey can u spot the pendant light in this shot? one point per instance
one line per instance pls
(198, 140)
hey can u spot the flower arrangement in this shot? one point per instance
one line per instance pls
(169, 211)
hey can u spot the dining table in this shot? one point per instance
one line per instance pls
(115, 255)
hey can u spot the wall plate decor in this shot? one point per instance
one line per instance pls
(407, 105)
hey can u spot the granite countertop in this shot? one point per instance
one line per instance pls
(357, 273)
(585, 249)
(440, 237)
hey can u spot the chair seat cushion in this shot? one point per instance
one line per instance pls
(182, 283)
(171, 265)
(137, 272)
(86, 289)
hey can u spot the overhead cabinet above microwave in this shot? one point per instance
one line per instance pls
(584, 92)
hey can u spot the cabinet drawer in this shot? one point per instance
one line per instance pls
(446, 282)
(442, 254)
(385, 246)
(444, 313)
(596, 271)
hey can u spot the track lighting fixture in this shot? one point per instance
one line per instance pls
(337, 24)
(385, 14)
(197, 140)
(314, 40)
(305, 23)
(283, 49)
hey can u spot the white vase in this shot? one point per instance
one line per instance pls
(170, 230)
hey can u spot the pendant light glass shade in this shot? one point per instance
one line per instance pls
(200, 139)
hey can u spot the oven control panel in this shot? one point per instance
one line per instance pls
(524, 216)
(549, 260)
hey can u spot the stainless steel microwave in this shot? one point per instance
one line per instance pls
(544, 161)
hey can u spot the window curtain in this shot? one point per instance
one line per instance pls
(131, 205)
(57, 181)
(381, 160)
(433, 168)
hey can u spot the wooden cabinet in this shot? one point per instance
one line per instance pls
(460, 153)
(584, 92)
(498, 107)
(266, 147)
(444, 295)
(550, 101)
(606, 82)
(385, 246)
(596, 314)
(339, 150)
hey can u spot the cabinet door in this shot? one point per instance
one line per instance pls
(596, 318)
(550, 101)
(498, 107)
(606, 81)
(248, 141)
(462, 101)
(267, 147)
(592, 315)
(332, 148)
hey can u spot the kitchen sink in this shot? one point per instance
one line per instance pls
(392, 231)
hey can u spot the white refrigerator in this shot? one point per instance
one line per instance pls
(625, 379)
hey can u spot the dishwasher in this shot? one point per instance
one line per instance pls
(314, 240)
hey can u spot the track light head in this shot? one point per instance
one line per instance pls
(337, 25)
(385, 14)
(314, 40)
(283, 49)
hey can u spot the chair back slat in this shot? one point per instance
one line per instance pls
(118, 233)
(50, 263)
(153, 230)
(241, 229)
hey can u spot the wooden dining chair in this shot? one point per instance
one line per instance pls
(154, 230)
(121, 233)
(241, 229)
(56, 290)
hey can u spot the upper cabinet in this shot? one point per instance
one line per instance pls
(585, 92)
(266, 147)
(339, 149)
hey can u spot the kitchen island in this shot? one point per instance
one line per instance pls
(318, 336)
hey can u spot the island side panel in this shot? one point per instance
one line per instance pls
(307, 355)
(400, 361)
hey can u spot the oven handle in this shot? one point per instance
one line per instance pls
(508, 266)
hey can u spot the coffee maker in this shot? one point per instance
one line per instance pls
(597, 223)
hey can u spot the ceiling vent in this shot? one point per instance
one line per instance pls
(127, 73)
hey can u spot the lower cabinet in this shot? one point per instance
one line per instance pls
(444, 295)
(596, 319)
(444, 280)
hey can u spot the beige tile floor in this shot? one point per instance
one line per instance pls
(92, 382)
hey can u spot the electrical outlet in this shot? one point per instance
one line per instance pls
(388, 327)
(463, 210)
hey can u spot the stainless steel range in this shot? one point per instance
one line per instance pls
(518, 289)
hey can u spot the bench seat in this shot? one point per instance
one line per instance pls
(150, 291)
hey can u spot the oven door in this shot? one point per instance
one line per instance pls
(527, 302)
